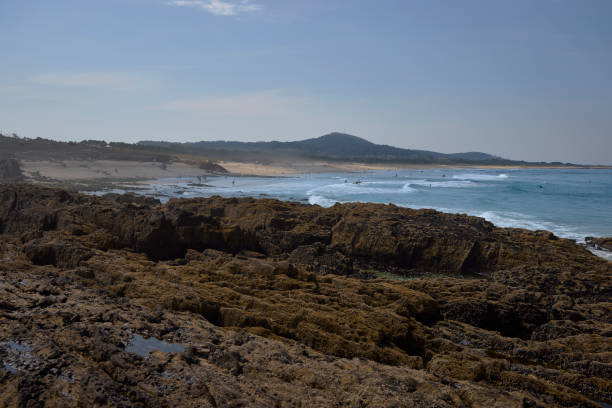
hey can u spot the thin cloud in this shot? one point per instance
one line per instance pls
(218, 7)
(258, 104)
(116, 80)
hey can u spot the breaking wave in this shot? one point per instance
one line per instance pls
(509, 219)
(320, 200)
(441, 184)
(363, 188)
(480, 177)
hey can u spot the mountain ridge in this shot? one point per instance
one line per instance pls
(332, 147)
(337, 146)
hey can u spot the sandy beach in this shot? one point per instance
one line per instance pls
(72, 170)
(107, 170)
(286, 168)
(123, 170)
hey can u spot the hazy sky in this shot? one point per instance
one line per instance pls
(525, 79)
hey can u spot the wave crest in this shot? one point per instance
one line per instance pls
(321, 201)
(479, 177)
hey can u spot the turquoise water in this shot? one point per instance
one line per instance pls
(572, 203)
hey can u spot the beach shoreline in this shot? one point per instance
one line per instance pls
(134, 176)
(125, 171)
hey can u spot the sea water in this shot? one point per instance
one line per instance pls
(571, 203)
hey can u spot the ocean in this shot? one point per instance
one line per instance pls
(571, 203)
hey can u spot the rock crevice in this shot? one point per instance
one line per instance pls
(278, 303)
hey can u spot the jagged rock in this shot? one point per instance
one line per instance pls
(212, 167)
(278, 304)
(605, 242)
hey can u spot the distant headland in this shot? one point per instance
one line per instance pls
(50, 161)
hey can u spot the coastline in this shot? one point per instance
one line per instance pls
(282, 168)
(117, 176)
(180, 181)
(125, 170)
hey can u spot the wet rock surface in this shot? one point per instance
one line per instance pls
(122, 301)
(604, 243)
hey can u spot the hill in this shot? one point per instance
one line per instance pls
(45, 149)
(334, 146)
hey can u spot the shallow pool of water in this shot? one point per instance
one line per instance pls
(141, 346)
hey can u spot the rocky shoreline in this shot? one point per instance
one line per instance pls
(602, 244)
(122, 301)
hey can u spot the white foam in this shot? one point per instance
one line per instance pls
(607, 255)
(341, 188)
(407, 188)
(478, 177)
(518, 220)
(369, 188)
(381, 183)
(320, 200)
(509, 219)
(442, 184)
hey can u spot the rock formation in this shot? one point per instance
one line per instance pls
(212, 167)
(269, 303)
(604, 243)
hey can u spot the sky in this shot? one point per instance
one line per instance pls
(523, 79)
